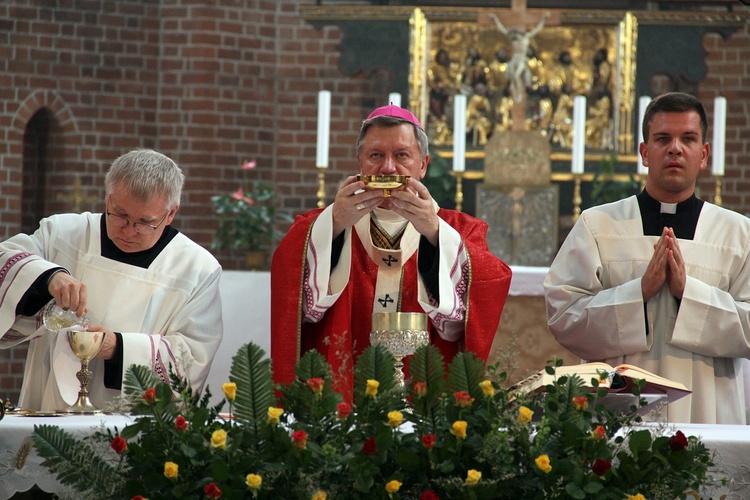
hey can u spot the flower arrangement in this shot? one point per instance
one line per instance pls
(247, 216)
(451, 435)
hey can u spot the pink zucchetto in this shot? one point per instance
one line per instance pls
(396, 112)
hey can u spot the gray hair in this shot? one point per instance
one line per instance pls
(392, 121)
(144, 174)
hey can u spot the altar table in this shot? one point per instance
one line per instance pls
(731, 444)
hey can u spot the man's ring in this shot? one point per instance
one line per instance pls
(359, 206)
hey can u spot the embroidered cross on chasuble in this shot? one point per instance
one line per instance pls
(393, 242)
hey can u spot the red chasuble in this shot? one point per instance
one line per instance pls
(344, 331)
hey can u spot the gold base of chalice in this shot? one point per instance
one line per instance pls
(401, 333)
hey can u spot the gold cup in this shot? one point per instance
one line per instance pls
(387, 183)
(401, 333)
(85, 345)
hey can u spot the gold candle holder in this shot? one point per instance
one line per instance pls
(401, 333)
(577, 197)
(321, 187)
(717, 192)
(459, 190)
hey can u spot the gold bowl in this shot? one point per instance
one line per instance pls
(387, 183)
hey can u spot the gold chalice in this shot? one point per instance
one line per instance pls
(387, 183)
(401, 333)
(85, 345)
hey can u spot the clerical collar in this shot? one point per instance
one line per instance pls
(144, 258)
(389, 220)
(681, 217)
(647, 202)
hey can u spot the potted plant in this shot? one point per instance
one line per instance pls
(247, 219)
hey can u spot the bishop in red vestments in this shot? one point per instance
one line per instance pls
(372, 251)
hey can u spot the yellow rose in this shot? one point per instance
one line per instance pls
(473, 477)
(219, 439)
(637, 496)
(392, 486)
(320, 495)
(487, 388)
(274, 414)
(395, 418)
(459, 429)
(524, 415)
(171, 469)
(253, 481)
(542, 462)
(230, 390)
(372, 388)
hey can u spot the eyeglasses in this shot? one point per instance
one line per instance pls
(140, 227)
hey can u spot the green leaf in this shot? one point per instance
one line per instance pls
(138, 378)
(67, 457)
(375, 363)
(251, 371)
(465, 373)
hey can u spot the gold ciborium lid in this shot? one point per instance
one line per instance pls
(387, 183)
(399, 321)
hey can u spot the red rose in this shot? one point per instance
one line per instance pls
(429, 495)
(315, 385)
(370, 447)
(138, 497)
(343, 410)
(119, 445)
(181, 423)
(678, 442)
(463, 399)
(150, 395)
(428, 440)
(601, 466)
(211, 490)
(581, 403)
(420, 389)
(299, 438)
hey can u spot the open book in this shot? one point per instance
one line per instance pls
(619, 380)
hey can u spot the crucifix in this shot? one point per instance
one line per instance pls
(76, 197)
(520, 39)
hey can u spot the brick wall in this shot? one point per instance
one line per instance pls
(213, 84)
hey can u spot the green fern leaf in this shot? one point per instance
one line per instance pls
(428, 366)
(251, 371)
(464, 374)
(375, 363)
(312, 364)
(138, 378)
(67, 457)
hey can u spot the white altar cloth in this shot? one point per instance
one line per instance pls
(16, 429)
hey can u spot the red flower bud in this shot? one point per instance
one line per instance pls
(299, 438)
(181, 423)
(315, 385)
(119, 445)
(370, 447)
(150, 395)
(429, 495)
(428, 440)
(420, 389)
(463, 399)
(343, 410)
(601, 466)
(211, 490)
(678, 442)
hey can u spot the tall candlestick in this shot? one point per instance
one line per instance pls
(579, 134)
(720, 126)
(459, 133)
(324, 123)
(395, 99)
(642, 104)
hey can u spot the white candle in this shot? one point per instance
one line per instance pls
(579, 133)
(324, 122)
(642, 104)
(395, 99)
(459, 133)
(720, 126)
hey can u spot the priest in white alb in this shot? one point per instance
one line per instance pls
(151, 290)
(661, 280)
